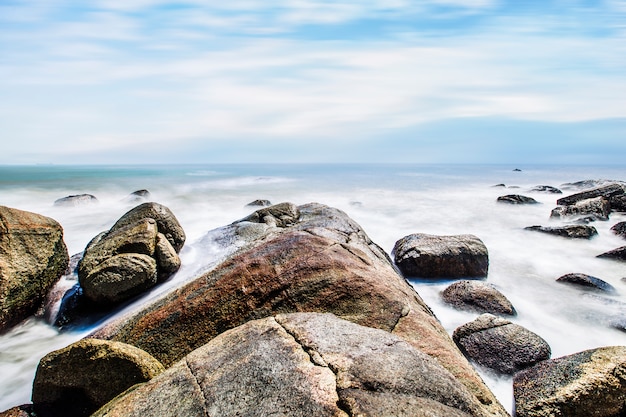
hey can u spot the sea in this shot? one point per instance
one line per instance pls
(389, 201)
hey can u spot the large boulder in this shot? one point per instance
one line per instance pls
(430, 256)
(477, 296)
(310, 258)
(32, 258)
(607, 192)
(516, 199)
(576, 231)
(79, 379)
(500, 345)
(588, 383)
(597, 208)
(586, 281)
(303, 364)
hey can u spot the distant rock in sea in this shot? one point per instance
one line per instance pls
(76, 200)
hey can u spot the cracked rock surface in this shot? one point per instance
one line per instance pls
(301, 364)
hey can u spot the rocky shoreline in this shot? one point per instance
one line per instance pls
(305, 316)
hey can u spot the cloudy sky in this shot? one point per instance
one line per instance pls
(140, 81)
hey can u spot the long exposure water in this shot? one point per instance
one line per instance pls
(388, 201)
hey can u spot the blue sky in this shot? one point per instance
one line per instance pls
(153, 81)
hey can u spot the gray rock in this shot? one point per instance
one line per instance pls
(138, 196)
(619, 229)
(546, 189)
(430, 256)
(166, 257)
(516, 199)
(597, 207)
(588, 383)
(605, 191)
(278, 215)
(575, 231)
(477, 296)
(303, 364)
(500, 345)
(586, 184)
(79, 379)
(618, 203)
(76, 200)
(587, 281)
(259, 203)
(33, 256)
(618, 254)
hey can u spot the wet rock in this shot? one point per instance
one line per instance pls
(138, 196)
(477, 296)
(33, 257)
(499, 186)
(571, 231)
(79, 379)
(303, 364)
(279, 215)
(517, 170)
(259, 203)
(605, 191)
(587, 281)
(598, 208)
(619, 229)
(500, 345)
(166, 257)
(618, 203)
(516, 199)
(618, 254)
(430, 256)
(588, 383)
(25, 410)
(546, 189)
(324, 262)
(76, 200)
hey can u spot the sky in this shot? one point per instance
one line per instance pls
(431, 81)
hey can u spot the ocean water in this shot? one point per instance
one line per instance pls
(388, 201)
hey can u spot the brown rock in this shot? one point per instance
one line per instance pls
(20, 411)
(166, 257)
(618, 254)
(477, 296)
(32, 258)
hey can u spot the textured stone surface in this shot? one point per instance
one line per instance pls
(577, 231)
(78, 379)
(587, 281)
(20, 411)
(477, 296)
(516, 199)
(588, 383)
(32, 258)
(500, 345)
(598, 208)
(546, 189)
(430, 256)
(619, 229)
(618, 254)
(605, 191)
(303, 364)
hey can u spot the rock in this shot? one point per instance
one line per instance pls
(79, 379)
(619, 229)
(597, 207)
(618, 203)
(259, 203)
(166, 257)
(25, 410)
(477, 296)
(167, 223)
(33, 257)
(618, 254)
(516, 199)
(138, 196)
(571, 231)
(324, 262)
(430, 256)
(546, 189)
(303, 364)
(588, 383)
(584, 280)
(517, 170)
(76, 200)
(606, 191)
(499, 186)
(586, 184)
(500, 345)
(279, 215)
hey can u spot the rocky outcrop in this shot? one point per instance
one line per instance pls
(477, 296)
(587, 281)
(430, 256)
(516, 199)
(588, 383)
(586, 184)
(76, 200)
(618, 254)
(619, 229)
(32, 258)
(597, 208)
(309, 258)
(303, 364)
(132, 256)
(79, 379)
(576, 231)
(500, 345)
(546, 189)
(605, 191)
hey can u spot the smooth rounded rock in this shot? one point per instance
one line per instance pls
(477, 296)
(576, 231)
(516, 199)
(587, 281)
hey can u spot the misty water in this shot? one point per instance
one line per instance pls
(388, 201)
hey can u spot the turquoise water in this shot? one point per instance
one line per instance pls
(388, 201)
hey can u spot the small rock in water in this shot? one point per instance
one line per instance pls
(587, 281)
(516, 199)
(259, 203)
(571, 231)
(138, 196)
(477, 296)
(517, 170)
(546, 189)
(75, 200)
(617, 254)
(619, 229)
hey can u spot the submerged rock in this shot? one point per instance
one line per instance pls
(259, 203)
(618, 254)
(516, 199)
(303, 364)
(597, 208)
(500, 345)
(571, 231)
(619, 229)
(138, 196)
(477, 296)
(588, 383)
(584, 280)
(33, 257)
(79, 379)
(546, 189)
(76, 200)
(430, 256)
